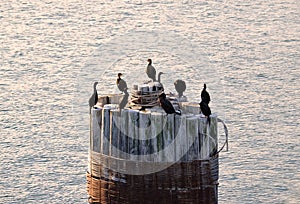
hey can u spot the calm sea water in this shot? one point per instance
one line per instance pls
(52, 51)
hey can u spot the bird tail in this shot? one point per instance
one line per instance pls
(178, 112)
(208, 120)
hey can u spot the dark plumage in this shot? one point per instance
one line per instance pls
(121, 83)
(205, 95)
(180, 87)
(94, 98)
(167, 105)
(205, 110)
(150, 70)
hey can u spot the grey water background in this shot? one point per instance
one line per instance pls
(47, 52)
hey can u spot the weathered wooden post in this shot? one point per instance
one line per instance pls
(151, 157)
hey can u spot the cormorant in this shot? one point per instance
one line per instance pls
(121, 83)
(94, 98)
(159, 74)
(205, 95)
(180, 87)
(205, 110)
(150, 71)
(167, 105)
(124, 100)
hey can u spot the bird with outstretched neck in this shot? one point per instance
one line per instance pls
(167, 105)
(180, 87)
(122, 85)
(159, 76)
(94, 98)
(205, 97)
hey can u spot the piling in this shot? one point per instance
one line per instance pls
(149, 156)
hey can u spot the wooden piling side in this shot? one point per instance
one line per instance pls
(168, 137)
(96, 129)
(145, 127)
(192, 136)
(123, 143)
(122, 140)
(115, 132)
(133, 134)
(157, 135)
(204, 139)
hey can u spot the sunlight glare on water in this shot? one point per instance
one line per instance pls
(247, 53)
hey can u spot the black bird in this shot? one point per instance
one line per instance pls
(124, 100)
(150, 70)
(205, 95)
(121, 83)
(205, 109)
(180, 87)
(167, 105)
(94, 98)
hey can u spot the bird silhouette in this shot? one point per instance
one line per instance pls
(94, 98)
(205, 95)
(150, 71)
(159, 76)
(180, 87)
(167, 105)
(205, 110)
(121, 83)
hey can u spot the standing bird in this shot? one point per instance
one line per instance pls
(159, 75)
(180, 87)
(205, 95)
(205, 109)
(121, 83)
(94, 98)
(167, 105)
(150, 70)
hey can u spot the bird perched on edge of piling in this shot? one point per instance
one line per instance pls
(167, 105)
(180, 87)
(159, 75)
(121, 83)
(205, 110)
(94, 98)
(150, 71)
(205, 95)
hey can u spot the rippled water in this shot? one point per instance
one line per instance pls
(52, 51)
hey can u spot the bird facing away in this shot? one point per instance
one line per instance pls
(167, 105)
(150, 71)
(180, 87)
(94, 98)
(205, 95)
(205, 110)
(121, 83)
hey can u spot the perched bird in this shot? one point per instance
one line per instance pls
(124, 100)
(159, 75)
(180, 87)
(94, 98)
(205, 109)
(121, 83)
(167, 105)
(150, 70)
(205, 95)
